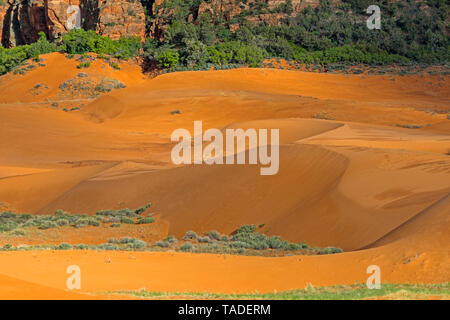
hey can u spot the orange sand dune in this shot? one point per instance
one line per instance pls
(57, 69)
(12, 289)
(336, 196)
(355, 181)
(31, 192)
(6, 171)
(418, 253)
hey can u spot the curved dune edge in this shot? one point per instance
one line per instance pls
(325, 194)
(431, 224)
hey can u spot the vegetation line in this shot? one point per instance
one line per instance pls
(340, 292)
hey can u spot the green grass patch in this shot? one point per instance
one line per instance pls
(342, 292)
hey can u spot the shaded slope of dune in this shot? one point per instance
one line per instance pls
(218, 197)
(429, 228)
(29, 193)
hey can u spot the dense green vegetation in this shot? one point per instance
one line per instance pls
(74, 42)
(412, 32)
(343, 292)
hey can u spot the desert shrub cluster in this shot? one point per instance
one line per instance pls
(246, 240)
(122, 244)
(10, 221)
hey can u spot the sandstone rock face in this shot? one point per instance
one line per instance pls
(57, 16)
(3, 8)
(228, 9)
(22, 20)
(121, 18)
(115, 19)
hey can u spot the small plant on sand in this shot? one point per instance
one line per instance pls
(213, 235)
(84, 65)
(204, 239)
(186, 247)
(163, 244)
(64, 246)
(146, 220)
(114, 65)
(126, 220)
(190, 235)
(171, 239)
(107, 247)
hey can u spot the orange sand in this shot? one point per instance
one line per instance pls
(357, 181)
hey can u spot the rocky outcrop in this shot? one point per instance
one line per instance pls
(272, 12)
(22, 20)
(3, 8)
(121, 18)
(115, 19)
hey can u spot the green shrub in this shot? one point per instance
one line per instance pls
(213, 235)
(190, 235)
(8, 226)
(143, 209)
(163, 244)
(84, 65)
(126, 220)
(48, 225)
(108, 247)
(79, 41)
(126, 240)
(114, 65)
(146, 220)
(12, 58)
(204, 239)
(170, 239)
(64, 246)
(186, 247)
(137, 244)
(168, 59)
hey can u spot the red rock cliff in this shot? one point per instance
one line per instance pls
(22, 20)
